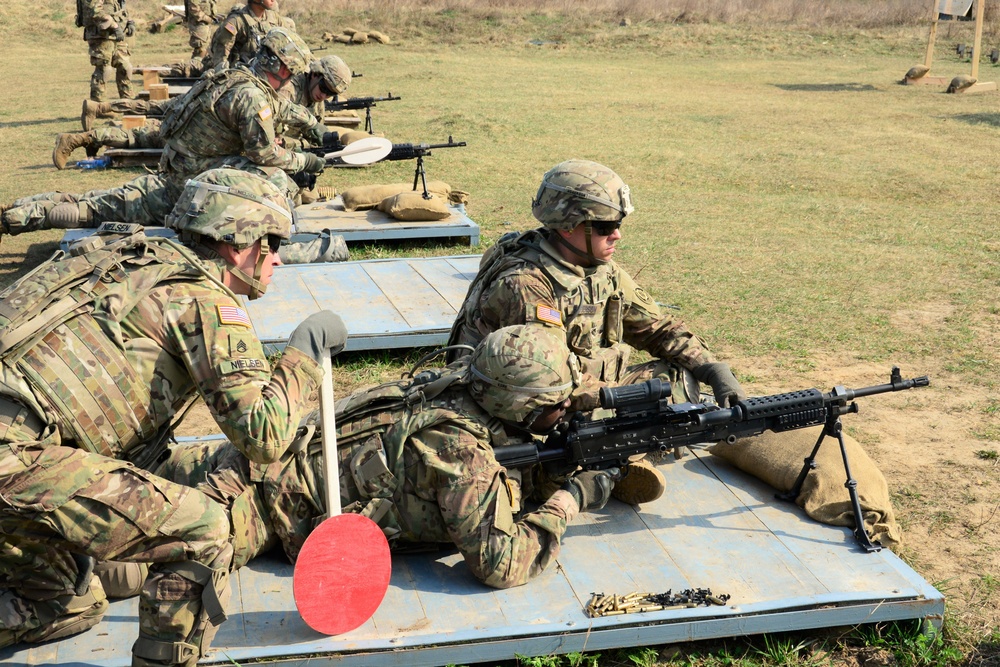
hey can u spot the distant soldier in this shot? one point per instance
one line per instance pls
(327, 77)
(416, 456)
(106, 26)
(200, 17)
(562, 275)
(102, 350)
(239, 36)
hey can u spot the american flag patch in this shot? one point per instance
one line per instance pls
(547, 314)
(230, 27)
(233, 315)
(265, 113)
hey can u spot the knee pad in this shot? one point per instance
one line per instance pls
(121, 579)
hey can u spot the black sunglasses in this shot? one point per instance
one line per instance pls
(273, 242)
(325, 89)
(605, 228)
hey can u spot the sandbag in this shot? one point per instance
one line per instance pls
(379, 37)
(359, 38)
(412, 207)
(350, 136)
(777, 458)
(364, 197)
(350, 31)
(342, 39)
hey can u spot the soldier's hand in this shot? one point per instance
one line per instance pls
(129, 28)
(119, 35)
(725, 386)
(320, 334)
(314, 163)
(592, 488)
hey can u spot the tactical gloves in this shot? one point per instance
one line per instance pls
(314, 163)
(591, 488)
(119, 35)
(725, 386)
(320, 334)
(129, 28)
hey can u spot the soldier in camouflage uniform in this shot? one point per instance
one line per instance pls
(326, 77)
(106, 26)
(99, 352)
(239, 36)
(563, 274)
(226, 114)
(416, 456)
(200, 17)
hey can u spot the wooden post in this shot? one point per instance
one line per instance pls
(929, 56)
(978, 86)
(133, 122)
(150, 77)
(158, 91)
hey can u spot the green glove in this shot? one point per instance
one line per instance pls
(321, 333)
(592, 488)
(314, 163)
(725, 387)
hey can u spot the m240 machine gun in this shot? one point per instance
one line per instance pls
(419, 152)
(645, 422)
(356, 103)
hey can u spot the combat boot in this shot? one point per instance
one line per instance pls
(642, 483)
(68, 142)
(91, 110)
(68, 216)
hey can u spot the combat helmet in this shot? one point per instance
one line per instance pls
(335, 73)
(578, 192)
(236, 208)
(517, 371)
(281, 46)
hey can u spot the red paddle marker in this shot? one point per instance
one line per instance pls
(343, 569)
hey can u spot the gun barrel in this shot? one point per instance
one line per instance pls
(896, 385)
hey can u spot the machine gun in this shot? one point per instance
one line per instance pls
(355, 103)
(418, 152)
(646, 422)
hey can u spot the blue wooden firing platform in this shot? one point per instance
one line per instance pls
(373, 225)
(370, 226)
(385, 303)
(716, 528)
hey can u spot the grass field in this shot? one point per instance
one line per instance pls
(815, 221)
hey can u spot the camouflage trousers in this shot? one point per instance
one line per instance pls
(57, 501)
(105, 53)
(145, 200)
(219, 471)
(147, 136)
(138, 107)
(201, 37)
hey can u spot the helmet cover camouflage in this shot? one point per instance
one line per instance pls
(335, 72)
(518, 370)
(579, 191)
(232, 206)
(287, 47)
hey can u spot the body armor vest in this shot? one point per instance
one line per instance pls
(592, 305)
(194, 129)
(60, 329)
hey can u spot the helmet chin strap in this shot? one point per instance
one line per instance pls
(589, 255)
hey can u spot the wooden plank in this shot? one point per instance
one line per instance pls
(416, 301)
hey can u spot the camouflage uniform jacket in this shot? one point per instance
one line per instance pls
(297, 92)
(523, 278)
(106, 346)
(92, 13)
(238, 37)
(229, 113)
(422, 467)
